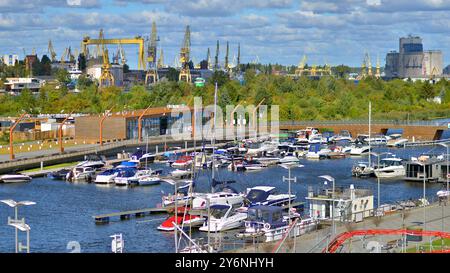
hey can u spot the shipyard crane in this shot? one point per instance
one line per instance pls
(301, 67)
(51, 51)
(106, 77)
(238, 64)
(369, 65)
(377, 72)
(226, 57)
(208, 59)
(123, 41)
(152, 72)
(216, 58)
(185, 72)
(161, 59)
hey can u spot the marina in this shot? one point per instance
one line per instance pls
(142, 209)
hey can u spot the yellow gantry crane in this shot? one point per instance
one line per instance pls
(106, 77)
(301, 66)
(152, 72)
(185, 72)
(122, 41)
(160, 59)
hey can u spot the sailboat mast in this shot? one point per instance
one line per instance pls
(213, 141)
(370, 131)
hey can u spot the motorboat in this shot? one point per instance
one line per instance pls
(317, 139)
(396, 140)
(362, 169)
(252, 165)
(390, 167)
(181, 219)
(267, 195)
(376, 140)
(142, 174)
(149, 181)
(125, 177)
(268, 161)
(93, 161)
(270, 223)
(336, 152)
(59, 174)
(344, 135)
(107, 177)
(182, 197)
(359, 150)
(15, 178)
(316, 152)
(181, 174)
(223, 217)
(289, 159)
(223, 197)
(182, 163)
(81, 173)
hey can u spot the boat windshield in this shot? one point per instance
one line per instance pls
(257, 195)
(219, 212)
(109, 172)
(264, 215)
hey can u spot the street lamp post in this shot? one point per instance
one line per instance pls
(446, 145)
(331, 179)
(289, 179)
(378, 155)
(16, 223)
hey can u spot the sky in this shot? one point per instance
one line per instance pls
(273, 31)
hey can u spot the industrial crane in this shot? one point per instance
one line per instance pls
(106, 77)
(185, 73)
(216, 58)
(226, 58)
(238, 64)
(122, 41)
(208, 59)
(161, 59)
(301, 67)
(51, 51)
(152, 72)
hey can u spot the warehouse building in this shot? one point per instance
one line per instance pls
(124, 125)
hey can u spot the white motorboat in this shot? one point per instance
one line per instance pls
(289, 159)
(390, 167)
(216, 198)
(81, 173)
(268, 161)
(181, 174)
(222, 218)
(125, 177)
(148, 181)
(93, 161)
(106, 177)
(269, 222)
(317, 139)
(267, 195)
(396, 140)
(14, 178)
(362, 169)
(359, 150)
(376, 140)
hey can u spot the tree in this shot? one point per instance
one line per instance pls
(220, 77)
(63, 77)
(172, 74)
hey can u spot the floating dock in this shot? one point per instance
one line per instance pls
(126, 215)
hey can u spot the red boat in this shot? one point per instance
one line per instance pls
(188, 220)
(183, 162)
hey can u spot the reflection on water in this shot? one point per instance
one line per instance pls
(64, 211)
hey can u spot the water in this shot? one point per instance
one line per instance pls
(64, 211)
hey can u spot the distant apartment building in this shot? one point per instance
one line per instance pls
(10, 60)
(411, 61)
(16, 85)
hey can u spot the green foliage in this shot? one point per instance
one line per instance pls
(328, 98)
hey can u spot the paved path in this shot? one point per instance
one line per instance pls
(316, 241)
